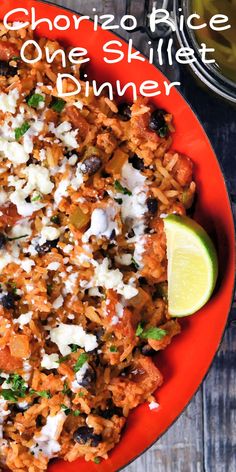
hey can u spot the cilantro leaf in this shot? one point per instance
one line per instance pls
(80, 361)
(66, 410)
(135, 263)
(154, 333)
(19, 132)
(57, 104)
(41, 393)
(35, 100)
(139, 330)
(113, 349)
(9, 395)
(121, 189)
(76, 412)
(74, 347)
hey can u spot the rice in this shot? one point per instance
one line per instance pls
(85, 276)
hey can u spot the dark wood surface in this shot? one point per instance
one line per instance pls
(204, 438)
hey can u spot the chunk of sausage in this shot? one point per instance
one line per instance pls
(172, 328)
(8, 50)
(183, 168)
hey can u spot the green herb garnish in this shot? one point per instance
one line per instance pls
(97, 460)
(17, 388)
(135, 263)
(76, 412)
(113, 349)
(139, 330)
(118, 200)
(154, 333)
(35, 199)
(35, 100)
(55, 219)
(18, 237)
(49, 289)
(81, 394)
(66, 390)
(80, 362)
(121, 189)
(19, 132)
(63, 359)
(74, 347)
(41, 393)
(57, 104)
(66, 410)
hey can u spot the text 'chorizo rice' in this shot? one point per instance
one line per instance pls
(85, 185)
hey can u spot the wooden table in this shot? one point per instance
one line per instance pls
(203, 439)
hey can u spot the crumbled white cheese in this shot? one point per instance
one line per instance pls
(21, 229)
(76, 384)
(78, 179)
(124, 259)
(61, 191)
(3, 197)
(8, 102)
(58, 303)
(79, 105)
(49, 233)
(133, 208)
(13, 151)
(70, 283)
(103, 223)
(27, 264)
(64, 335)
(38, 179)
(24, 208)
(111, 279)
(46, 442)
(53, 266)
(50, 361)
(24, 319)
(65, 133)
(153, 405)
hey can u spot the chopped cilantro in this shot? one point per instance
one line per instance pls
(55, 219)
(57, 104)
(35, 100)
(19, 132)
(81, 394)
(49, 289)
(139, 330)
(36, 198)
(18, 237)
(41, 393)
(113, 349)
(17, 388)
(63, 359)
(118, 200)
(76, 412)
(80, 361)
(66, 410)
(66, 390)
(154, 333)
(74, 347)
(135, 263)
(121, 189)
(97, 460)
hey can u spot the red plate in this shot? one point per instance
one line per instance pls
(186, 362)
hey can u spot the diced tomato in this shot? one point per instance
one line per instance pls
(19, 346)
(9, 215)
(9, 363)
(8, 50)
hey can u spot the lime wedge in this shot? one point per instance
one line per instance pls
(192, 265)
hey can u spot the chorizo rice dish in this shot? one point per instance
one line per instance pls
(85, 185)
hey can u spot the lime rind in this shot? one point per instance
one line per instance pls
(198, 241)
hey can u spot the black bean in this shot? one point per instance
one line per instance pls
(3, 240)
(142, 281)
(85, 435)
(152, 205)
(46, 247)
(157, 120)
(136, 162)
(8, 301)
(88, 378)
(124, 111)
(91, 165)
(6, 70)
(148, 351)
(114, 410)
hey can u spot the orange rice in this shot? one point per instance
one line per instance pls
(85, 185)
